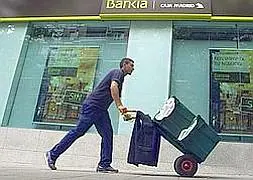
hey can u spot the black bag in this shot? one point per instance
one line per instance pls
(145, 142)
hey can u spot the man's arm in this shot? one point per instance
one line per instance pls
(115, 95)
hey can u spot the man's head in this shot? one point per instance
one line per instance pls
(127, 65)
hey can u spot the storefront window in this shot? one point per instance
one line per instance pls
(232, 90)
(60, 65)
(67, 79)
(220, 57)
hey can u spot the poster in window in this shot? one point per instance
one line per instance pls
(68, 78)
(231, 90)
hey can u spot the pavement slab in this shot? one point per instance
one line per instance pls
(30, 173)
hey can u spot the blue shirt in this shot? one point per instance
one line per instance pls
(101, 96)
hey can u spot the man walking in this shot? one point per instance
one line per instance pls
(94, 110)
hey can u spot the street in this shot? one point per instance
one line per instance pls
(29, 173)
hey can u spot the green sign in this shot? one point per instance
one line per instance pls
(74, 97)
(247, 104)
(231, 65)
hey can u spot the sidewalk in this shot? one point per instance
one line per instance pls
(13, 172)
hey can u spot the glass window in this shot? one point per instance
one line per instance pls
(232, 92)
(61, 63)
(217, 84)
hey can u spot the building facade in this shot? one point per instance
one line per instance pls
(197, 51)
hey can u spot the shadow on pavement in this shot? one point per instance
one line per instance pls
(216, 177)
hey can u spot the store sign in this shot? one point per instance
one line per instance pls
(247, 104)
(231, 65)
(74, 97)
(232, 7)
(156, 6)
(230, 61)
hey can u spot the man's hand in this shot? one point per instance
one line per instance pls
(122, 109)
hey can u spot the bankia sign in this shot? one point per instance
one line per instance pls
(156, 6)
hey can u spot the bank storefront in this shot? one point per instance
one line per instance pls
(194, 50)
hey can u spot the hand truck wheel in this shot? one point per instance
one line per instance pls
(186, 165)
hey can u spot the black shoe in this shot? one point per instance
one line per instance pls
(49, 161)
(108, 169)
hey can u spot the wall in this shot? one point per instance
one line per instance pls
(149, 45)
(11, 40)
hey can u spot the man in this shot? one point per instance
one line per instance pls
(94, 110)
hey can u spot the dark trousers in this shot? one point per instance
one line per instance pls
(88, 116)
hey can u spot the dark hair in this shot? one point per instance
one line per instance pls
(125, 60)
